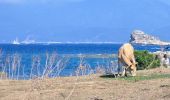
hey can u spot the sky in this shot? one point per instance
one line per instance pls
(82, 20)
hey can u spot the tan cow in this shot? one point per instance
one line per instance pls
(126, 59)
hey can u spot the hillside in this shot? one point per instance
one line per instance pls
(92, 87)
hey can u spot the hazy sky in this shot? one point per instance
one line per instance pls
(83, 20)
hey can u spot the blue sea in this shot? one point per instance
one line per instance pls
(27, 60)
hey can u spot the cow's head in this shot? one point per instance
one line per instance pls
(133, 69)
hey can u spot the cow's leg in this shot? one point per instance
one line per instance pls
(124, 71)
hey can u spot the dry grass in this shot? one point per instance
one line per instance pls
(90, 87)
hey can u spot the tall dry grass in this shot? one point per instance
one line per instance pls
(41, 76)
(54, 65)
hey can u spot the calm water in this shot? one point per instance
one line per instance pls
(33, 57)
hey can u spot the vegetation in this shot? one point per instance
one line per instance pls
(146, 60)
(149, 77)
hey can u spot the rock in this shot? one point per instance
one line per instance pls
(139, 37)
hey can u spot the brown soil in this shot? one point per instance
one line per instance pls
(90, 87)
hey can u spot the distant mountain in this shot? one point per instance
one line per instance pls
(139, 37)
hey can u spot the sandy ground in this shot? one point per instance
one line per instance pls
(90, 87)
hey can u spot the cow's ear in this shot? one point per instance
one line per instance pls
(136, 63)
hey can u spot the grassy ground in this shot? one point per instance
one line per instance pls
(138, 78)
(147, 85)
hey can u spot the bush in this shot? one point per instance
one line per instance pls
(146, 60)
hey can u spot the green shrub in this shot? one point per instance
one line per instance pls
(146, 60)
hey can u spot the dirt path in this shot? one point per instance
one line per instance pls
(87, 88)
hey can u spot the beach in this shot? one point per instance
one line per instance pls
(91, 87)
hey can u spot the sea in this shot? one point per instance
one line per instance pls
(25, 61)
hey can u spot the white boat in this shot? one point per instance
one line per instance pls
(16, 41)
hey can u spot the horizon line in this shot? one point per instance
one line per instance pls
(51, 42)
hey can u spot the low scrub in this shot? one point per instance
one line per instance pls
(146, 60)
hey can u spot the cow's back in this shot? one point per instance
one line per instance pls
(127, 49)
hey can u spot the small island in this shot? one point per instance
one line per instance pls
(139, 37)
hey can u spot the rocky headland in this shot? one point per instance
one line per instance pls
(139, 37)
